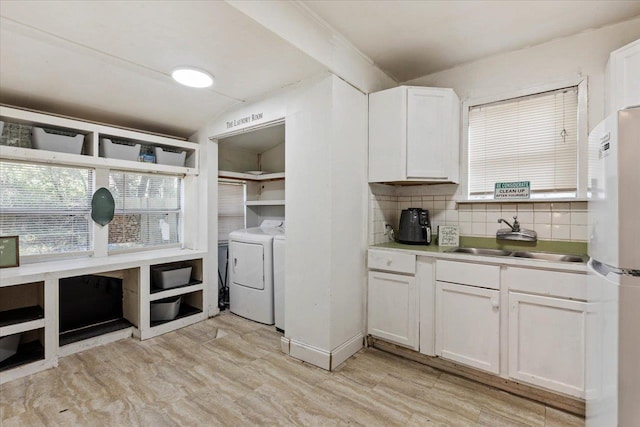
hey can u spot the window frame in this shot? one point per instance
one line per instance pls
(35, 258)
(582, 149)
(180, 242)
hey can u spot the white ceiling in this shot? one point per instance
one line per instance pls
(410, 39)
(110, 61)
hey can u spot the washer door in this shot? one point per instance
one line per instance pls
(247, 264)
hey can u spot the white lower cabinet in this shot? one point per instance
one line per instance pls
(547, 342)
(393, 308)
(468, 325)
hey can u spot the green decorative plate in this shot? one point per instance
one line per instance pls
(102, 206)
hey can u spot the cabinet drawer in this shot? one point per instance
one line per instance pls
(392, 261)
(545, 282)
(466, 273)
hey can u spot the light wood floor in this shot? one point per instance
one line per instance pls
(230, 371)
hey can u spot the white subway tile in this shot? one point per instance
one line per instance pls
(439, 198)
(494, 207)
(542, 207)
(479, 216)
(493, 216)
(544, 231)
(451, 215)
(541, 218)
(479, 228)
(560, 232)
(466, 228)
(466, 216)
(450, 204)
(579, 233)
(525, 217)
(427, 205)
(479, 207)
(560, 206)
(439, 204)
(525, 207)
(465, 207)
(579, 206)
(560, 218)
(404, 199)
(579, 218)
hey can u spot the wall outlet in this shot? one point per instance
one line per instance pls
(385, 226)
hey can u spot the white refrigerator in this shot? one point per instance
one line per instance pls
(613, 320)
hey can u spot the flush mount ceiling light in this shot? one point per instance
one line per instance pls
(192, 77)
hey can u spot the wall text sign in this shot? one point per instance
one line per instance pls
(512, 190)
(448, 235)
(244, 120)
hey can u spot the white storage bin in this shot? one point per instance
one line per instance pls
(43, 140)
(170, 277)
(165, 309)
(113, 150)
(9, 346)
(170, 158)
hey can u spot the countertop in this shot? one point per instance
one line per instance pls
(573, 248)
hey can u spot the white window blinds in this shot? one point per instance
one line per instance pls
(49, 207)
(230, 209)
(532, 138)
(148, 210)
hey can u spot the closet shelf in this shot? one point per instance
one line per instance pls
(251, 177)
(264, 203)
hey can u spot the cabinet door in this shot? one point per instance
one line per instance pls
(547, 342)
(624, 77)
(468, 325)
(393, 308)
(428, 123)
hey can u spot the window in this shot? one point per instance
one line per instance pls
(530, 138)
(231, 196)
(148, 210)
(49, 207)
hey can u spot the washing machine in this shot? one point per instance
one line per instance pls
(278, 280)
(251, 271)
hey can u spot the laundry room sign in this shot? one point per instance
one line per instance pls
(244, 120)
(512, 190)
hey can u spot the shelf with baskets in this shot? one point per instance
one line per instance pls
(176, 296)
(22, 326)
(38, 137)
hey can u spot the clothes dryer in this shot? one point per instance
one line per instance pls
(251, 271)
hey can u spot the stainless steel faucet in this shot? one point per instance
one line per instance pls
(514, 232)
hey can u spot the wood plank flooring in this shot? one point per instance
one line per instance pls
(229, 371)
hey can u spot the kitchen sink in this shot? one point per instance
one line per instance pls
(546, 256)
(480, 251)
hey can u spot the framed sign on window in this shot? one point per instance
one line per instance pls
(9, 252)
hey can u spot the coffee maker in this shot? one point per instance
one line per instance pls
(415, 228)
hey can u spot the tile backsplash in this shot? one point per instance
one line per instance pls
(565, 221)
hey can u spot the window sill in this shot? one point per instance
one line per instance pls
(67, 268)
(487, 201)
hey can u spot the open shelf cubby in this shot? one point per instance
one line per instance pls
(21, 303)
(192, 303)
(30, 349)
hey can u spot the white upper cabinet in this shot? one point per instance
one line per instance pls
(623, 77)
(414, 135)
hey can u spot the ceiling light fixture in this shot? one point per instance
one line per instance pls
(192, 77)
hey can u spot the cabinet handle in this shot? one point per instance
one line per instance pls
(495, 305)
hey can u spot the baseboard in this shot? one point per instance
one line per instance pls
(346, 350)
(284, 345)
(310, 354)
(322, 358)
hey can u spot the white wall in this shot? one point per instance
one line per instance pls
(273, 160)
(585, 54)
(234, 160)
(326, 197)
